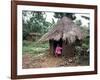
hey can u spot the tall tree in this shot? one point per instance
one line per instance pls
(34, 21)
(60, 15)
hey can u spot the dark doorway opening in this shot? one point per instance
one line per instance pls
(59, 42)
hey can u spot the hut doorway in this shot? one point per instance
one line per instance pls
(59, 42)
(53, 45)
(67, 49)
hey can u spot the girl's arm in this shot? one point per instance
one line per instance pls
(60, 47)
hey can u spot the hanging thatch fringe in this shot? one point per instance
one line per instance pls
(65, 29)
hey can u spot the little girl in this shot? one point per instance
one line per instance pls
(58, 50)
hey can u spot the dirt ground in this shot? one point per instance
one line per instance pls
(46, 60)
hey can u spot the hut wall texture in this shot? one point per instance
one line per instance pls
(68, 50)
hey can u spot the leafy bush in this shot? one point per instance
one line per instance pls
(82, 52)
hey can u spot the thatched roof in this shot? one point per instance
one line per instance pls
(65, 29)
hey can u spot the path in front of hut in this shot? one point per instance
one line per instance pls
(45, 60)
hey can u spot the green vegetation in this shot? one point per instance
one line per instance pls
(82, 50)
(34, 47)
(34, 21)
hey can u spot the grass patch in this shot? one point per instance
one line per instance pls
(34, 48)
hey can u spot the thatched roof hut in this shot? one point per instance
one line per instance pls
(64, 30)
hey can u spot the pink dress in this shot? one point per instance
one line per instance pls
(58, 50)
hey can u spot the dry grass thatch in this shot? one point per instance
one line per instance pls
(65, 29)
